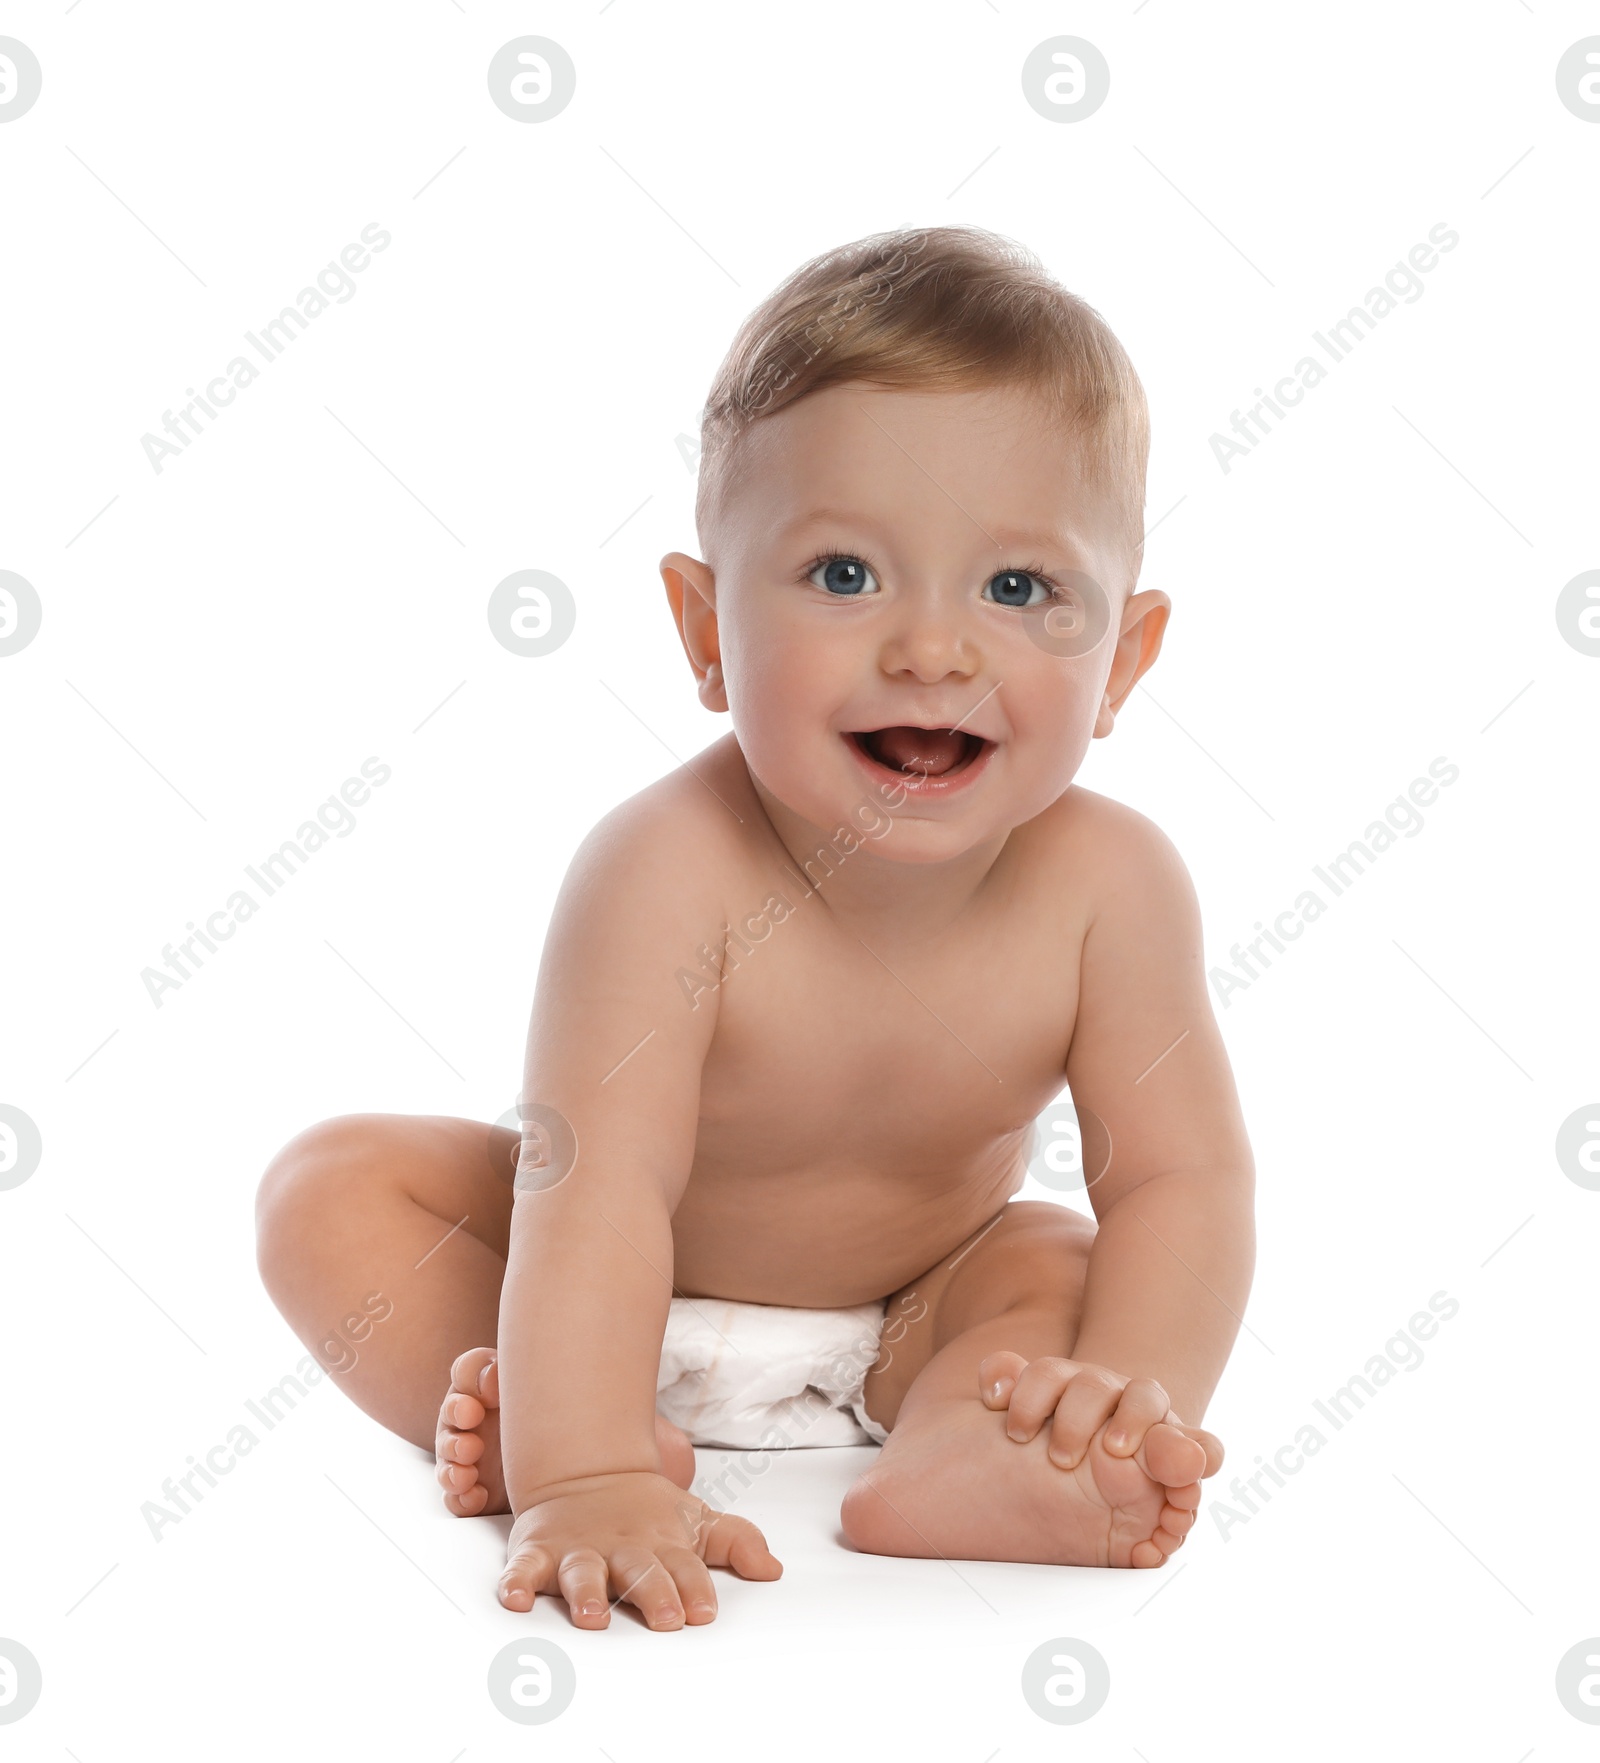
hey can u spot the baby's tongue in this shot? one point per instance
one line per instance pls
(928, 752)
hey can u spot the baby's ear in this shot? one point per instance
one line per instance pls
(692, 592)
(1144, 623)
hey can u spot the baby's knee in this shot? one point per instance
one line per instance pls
(1048, 1246)
(314, 1180)
(1051, 1228)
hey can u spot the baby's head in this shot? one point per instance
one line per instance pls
(921, 511)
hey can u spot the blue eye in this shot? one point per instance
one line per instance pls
(1016, 587)
(844, 577)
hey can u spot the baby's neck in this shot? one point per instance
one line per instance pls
(867, 890)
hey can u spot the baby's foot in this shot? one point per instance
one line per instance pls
(467, 1444)
(951, 1482)
(1072, 1401)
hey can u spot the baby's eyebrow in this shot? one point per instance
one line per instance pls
(1026, 539)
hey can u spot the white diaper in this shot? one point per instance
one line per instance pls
(762, 1376)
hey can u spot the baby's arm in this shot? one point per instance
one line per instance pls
(616, 1048)
(1170, 1270)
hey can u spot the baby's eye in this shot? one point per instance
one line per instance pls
(1016, 587)
(844, 576)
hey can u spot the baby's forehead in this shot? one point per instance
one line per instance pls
(994, 458)
(1010, 408)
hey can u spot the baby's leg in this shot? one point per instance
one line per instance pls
(950, 1481)
(407, 1218)
(414, 1208)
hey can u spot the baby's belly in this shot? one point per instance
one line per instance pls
(832, 1236)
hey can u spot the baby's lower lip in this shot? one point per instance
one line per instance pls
(914, 784)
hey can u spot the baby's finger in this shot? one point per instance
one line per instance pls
(642, 1581)
(1143, 1403)
(726, 1541)
(1090, 1399)
(997, 1378)
(528, 1570)
(695, 1590)
(582, 1581)
(1039, 1389)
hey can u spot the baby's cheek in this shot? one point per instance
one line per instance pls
(1054, 728)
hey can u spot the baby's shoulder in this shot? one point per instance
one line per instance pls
(1105, 843)
(679, 837)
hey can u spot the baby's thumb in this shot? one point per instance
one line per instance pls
(727, 1541)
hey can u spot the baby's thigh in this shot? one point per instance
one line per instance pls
(360, 1173)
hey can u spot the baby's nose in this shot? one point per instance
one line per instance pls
(932, 645)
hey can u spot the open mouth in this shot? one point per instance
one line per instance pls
(916, 755)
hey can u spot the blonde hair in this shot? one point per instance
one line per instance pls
(933, 309)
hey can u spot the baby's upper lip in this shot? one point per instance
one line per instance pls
(931, 724)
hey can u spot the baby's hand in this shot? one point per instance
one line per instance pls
(1078, 1399)
(632, 1538)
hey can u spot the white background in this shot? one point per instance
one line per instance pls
(224, 642)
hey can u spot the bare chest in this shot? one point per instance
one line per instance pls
(835, 1049)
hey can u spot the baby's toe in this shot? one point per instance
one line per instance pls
(1166, 1541)
(467, 1504)
(457, 1447)
(455, 1478)
(465, 1496)
(463, 1412)
(475, 1373)
(1172, 1458)
(1176, 1522)
(466, 1443)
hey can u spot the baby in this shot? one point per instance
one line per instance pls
(803, 999)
